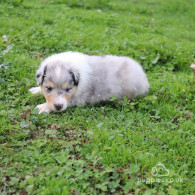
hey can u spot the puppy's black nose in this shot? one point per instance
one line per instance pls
(58, 106)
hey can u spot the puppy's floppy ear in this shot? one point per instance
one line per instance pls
(75, 77)
(40, 75)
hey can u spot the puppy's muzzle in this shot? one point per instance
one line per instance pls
(58, 106)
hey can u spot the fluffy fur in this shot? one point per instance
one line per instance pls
(73, 78)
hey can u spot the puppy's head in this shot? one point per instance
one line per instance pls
(58, 84)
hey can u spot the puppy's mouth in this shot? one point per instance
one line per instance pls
(59, 107)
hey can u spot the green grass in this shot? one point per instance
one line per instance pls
(109, 148)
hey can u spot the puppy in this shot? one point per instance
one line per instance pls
(73, 78)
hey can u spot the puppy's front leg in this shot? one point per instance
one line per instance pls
(44, 108)
(35, 90)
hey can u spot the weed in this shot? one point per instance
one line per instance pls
(111, 147)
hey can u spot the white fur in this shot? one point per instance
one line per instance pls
(101, 77)
(35, 90)
(43, 108)
(77, 61)
(58, 71)
(63, 101)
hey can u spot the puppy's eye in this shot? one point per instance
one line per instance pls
(67, 90)
(49, 89)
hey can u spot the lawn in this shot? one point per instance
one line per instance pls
(108, 148)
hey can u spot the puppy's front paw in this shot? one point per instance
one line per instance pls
(35, 90)
(43, 108)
